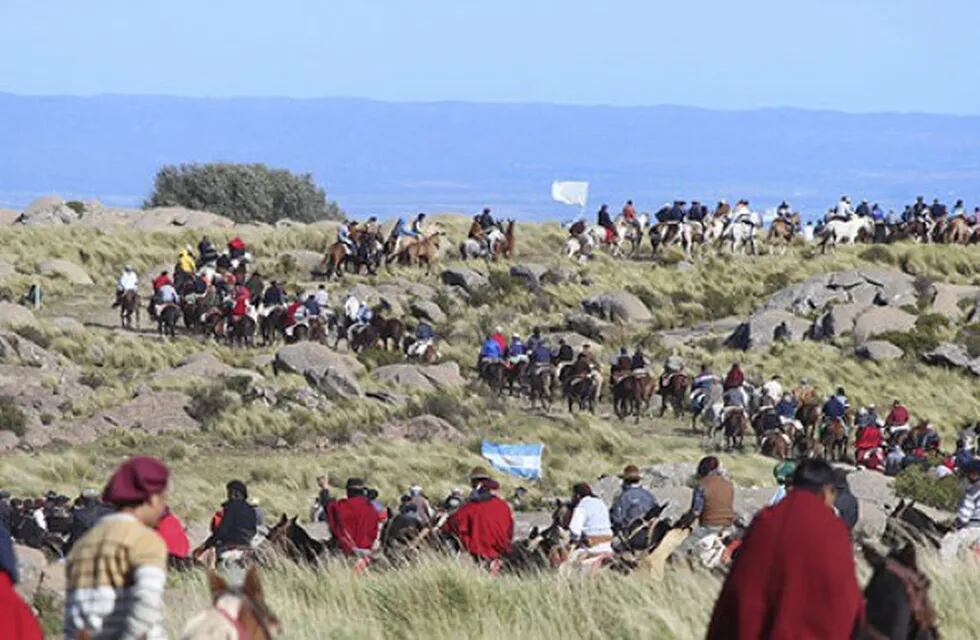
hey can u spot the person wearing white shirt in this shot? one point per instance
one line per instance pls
(773, 389)
(590, 521)
(351, 307)
(321, 297)
(128, 281)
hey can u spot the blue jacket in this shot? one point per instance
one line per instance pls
(835, 407)
(542, 354)
(516, 348)
(8, 561)
(633, 503)
(490, 349)
(312, 307)
(786, 408)
(402, 229)
(424, 331)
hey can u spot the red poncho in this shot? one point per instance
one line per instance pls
(236, 244)
(161, 280)
(501, 341)
(485, 527)
(172, 531)
(17, 622)
(869, 438)
(735, 378)
(353, 523)
(793, 577)
(241, 305)
(291, 312)
(898, 416)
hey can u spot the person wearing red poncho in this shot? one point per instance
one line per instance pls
(171, 529)
(17, 621)
(794, 574)
(485, 524)
(353, 521)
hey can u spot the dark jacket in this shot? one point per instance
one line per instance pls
(633, 503)
(237, 528)
(847, 507)
(566, 353)
(84, 519)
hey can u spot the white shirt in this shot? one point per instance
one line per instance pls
(129, 281)
(773, 389)
(591, 517)
(321, 297)
(351, 307)
(168, 293)
(40, 520)
(844, 209)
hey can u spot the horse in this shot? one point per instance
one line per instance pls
(427, 354)
(338, 256)
(624, 396)
(809, 415)
(367, 337)
(492, 373)
(480, 243)
(740, 233)
(775, 444)
(782, 231)
(543, 548)
(515, 375)
(957, 231)
(294, 542)
(833, 438)
(272, 325)
(664, 234)
(579, 247)
(240, 613)
(897, 601)
(167, 319)
(541, 379)
(907, 523)
(242, 331)
(672, 392)
(424, 250)
(129, 308)
(388, 329)
(505, 245)
(583, 390)
(708, 405)
(844, 231)
(734, 425)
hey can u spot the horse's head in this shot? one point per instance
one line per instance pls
(244, 606)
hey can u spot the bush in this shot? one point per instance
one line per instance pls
(879, 254)
(209, 403)
(242, 192)
(920, 484)
(12, 418)
(970, 337)
(925, 336)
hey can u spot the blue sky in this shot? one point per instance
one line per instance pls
(852, 55)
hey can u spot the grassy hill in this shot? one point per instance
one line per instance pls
(280, 448)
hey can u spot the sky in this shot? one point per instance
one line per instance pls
(849, 55)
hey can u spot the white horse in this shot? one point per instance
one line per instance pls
(844, 231)
(741, 232)
(473, 248)
(580, 247)
(597, 235)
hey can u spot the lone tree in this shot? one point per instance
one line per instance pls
(243, 192)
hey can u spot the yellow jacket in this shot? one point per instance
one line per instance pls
(186, 262)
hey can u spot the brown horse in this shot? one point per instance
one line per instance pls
(833, 439)
(335, 260)
(388, 329)
(129, 309)
(672, 391)
(235, 612)
(734, 426)
(776, 445)
(957, 231)
(425, 250)
(624, 396)
(809, 416)
(782, 231)
(506, 246)
(542, 380)
(897, 601)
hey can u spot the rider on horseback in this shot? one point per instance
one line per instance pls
(836, 408)
(206, 253)
(185, 261)
(735, 378)
(638, 363)
(897, 421)
(633, 503)
(516, 351)
(606, 222)
(489, 352)
(163, 296)
(589, 524)
(274, 296)
(236, 523)
(354, 521)
(128, 281)
(484, 524)
(344, 237)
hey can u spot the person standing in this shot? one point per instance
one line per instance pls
(116, 572)
(967, 516)
(794, 575)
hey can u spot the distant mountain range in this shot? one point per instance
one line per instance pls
(390, 158)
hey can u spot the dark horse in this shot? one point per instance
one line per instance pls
(734, 426)
(291, 539)
(273, 325)
(834, 440)
(129, 308)
(897, 601)
(388, 329)
(492, 372)
(581, 390)
(624, 394)
(673, 392)
(542, 379)
(242, 332)
(167, 320)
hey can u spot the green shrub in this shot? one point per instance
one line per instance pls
(243, 192)
(76, 206)
(12, 418)
(373, 358)
(777, 280)
(210, 402)
(91, 379)
(879, 254)
(925, 336)
(442, 405)
(920, 484)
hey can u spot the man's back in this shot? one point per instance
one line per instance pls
(633, 503)
(485, 526)
(237, 526)
(354, 521)
(116, 575)
(793, 576)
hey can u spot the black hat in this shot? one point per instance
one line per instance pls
(355, 483)
(238, 487)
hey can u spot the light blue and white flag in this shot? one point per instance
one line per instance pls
(523, 460)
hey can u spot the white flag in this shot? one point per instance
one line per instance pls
(570, 192)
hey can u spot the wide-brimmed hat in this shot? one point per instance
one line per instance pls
(355, 483)
(479, 473)
(631, 472)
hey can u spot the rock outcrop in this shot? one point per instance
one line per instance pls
(66, 269)
(765, 327)
(617, 306)
(468, 279)
(954, 356)
(878, 320)
(879, 351)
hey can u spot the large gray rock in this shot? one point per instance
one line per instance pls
(424, 428)
(14, 315)
(468, 279)
(311, 356)
(153, 412)
(530, 274)
(48, 210)
(403, 375)
(334, 383)
(762, 328)
(32, 566)
(205, 365)
(947, 299)
(445, 376)
(879, 351)
(17, 350)
(589, 326)
(307, 262)
(165, 218)
(798, 297)
(427, 310)
(837, 321)
(953, 355)
(60, 268)
(878, 320)
(617, 306)
(67, 324)
(863, 287)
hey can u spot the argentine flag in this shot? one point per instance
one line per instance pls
(522, 460)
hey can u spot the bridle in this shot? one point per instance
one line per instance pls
(261, 613)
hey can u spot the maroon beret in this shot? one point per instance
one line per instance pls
(135, 481)
(489, 485)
